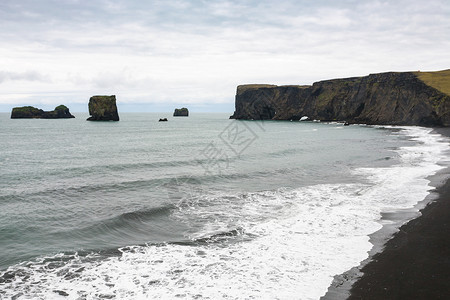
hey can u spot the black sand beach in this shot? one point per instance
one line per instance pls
(415, 263)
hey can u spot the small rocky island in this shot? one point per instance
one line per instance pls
(181, 112)
(30, 112)
(103, 108)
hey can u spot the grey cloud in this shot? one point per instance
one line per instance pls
(254, 40)
(25, 76)
(163, 26)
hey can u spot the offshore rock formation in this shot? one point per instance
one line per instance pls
(406, 98)
(103, 108)
(30, 112)
(181, 112)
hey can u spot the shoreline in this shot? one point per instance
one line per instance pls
(411, 261)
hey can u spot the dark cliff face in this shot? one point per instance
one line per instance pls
(30, 112)
(103, 108)
(386, 98)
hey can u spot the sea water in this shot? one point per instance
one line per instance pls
(199, 207)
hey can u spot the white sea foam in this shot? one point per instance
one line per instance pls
(288, 244)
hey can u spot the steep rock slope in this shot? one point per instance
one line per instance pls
(394, 98)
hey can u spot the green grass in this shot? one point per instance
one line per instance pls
(245, 87)
(440, 80)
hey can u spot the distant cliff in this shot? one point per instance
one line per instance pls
(406, 98)
(30, 112)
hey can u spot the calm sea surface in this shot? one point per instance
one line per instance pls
(198, 208)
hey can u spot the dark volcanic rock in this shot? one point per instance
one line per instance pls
(386, 98)
(26, 112)
(61, 111)
(181, 112)
(103, 108)
(30, 112)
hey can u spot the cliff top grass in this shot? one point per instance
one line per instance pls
(61, 107)
(25, 108)
(246, 87)
(304, 86)
(440, 80)
(26, 111)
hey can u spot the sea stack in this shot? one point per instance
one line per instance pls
(30, 112)
(103, 108)
(181, 112)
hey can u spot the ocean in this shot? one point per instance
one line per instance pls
(199, 207)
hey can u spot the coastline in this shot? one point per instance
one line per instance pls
(415, 262)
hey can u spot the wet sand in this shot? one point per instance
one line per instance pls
(415, 263)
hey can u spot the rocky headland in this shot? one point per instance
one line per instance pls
(181, 112)
(30, 112)
(393, 98)
(103, 108)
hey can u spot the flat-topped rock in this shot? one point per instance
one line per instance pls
(30, 112)
(181, 112)
(103, 108)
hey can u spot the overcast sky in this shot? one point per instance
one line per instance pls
(157, 54)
